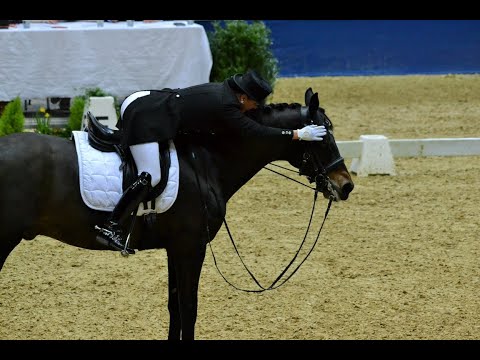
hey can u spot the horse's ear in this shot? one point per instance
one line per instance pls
(313, 105)
(308, 96)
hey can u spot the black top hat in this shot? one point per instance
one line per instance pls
(253, 85)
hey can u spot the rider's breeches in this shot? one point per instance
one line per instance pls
(146, 155)
(147, 158)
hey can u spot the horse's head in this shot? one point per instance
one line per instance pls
(321, 161)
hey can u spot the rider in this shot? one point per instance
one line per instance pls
(150, 117)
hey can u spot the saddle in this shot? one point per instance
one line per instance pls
(104, 139)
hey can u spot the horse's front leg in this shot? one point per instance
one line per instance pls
(175, 326)
(188, 266)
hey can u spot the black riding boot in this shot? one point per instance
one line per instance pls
(111, 233)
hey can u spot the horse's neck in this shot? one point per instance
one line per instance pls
(245, 158)
(245, 164)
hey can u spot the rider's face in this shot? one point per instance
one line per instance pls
(247, 103)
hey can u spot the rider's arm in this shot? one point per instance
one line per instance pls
(246, 126)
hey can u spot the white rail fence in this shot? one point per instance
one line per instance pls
(374, 154)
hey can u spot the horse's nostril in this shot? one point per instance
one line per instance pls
(347, 188)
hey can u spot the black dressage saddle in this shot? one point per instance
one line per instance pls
(104, 139)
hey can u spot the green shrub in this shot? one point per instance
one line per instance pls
(12, 119)
(238, 46)
(95, 92)
(76, 112)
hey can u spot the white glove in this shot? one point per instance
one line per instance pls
(312, 133)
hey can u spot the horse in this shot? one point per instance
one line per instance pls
(39, 188)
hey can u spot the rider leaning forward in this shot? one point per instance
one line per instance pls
(150, 117)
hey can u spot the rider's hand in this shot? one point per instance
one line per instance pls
(312, 133)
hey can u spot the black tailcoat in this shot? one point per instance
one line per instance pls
(201, 108)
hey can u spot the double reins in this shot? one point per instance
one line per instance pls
(274, 284)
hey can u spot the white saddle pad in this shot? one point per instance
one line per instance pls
(101, 178)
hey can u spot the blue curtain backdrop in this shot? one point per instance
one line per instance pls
(374, 47)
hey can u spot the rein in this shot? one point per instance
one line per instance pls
(285, 176)
(279, 277)
(274, 284)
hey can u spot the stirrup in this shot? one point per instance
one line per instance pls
(109, 238)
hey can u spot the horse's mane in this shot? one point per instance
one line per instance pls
(280, 106)
(277, 114)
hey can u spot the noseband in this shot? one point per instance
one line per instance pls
(312, 167)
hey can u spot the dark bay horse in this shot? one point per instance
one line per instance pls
(40, 195)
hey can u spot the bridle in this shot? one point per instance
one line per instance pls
(312, 166)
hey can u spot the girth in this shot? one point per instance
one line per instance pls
(104, 139)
